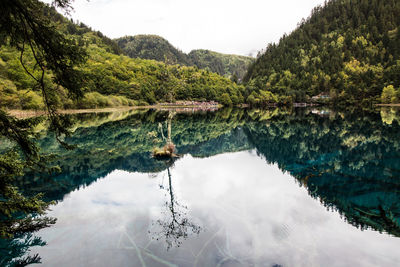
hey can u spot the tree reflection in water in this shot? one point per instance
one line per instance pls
(176, 226)
(347, 160)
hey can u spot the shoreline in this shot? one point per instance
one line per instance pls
(29, 113)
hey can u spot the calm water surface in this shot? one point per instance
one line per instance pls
(250, 188)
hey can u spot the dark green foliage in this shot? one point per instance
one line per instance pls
(348, 49)
(157, 48)
(20, 215)
(25, 27)
(232, 66)
(152, 47)
(226, 100)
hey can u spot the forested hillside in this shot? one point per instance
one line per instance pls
(111, 79)
(152, 47)
(233, 66)
(347, 50)
(157, 48)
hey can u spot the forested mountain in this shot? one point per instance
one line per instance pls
(233, 66)
(157, 48)
(152, 47)
(110, 78)
(347, 49)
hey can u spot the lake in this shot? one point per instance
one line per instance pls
(300, 187)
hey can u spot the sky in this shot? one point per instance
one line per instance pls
(226, 26)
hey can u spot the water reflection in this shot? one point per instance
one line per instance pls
(176, 226)
(349, 162)
(250, 212)
(390, 114)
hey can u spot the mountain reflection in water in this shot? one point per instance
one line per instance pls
(230, 208)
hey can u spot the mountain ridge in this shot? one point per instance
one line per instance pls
(111, 78)
(150, 46)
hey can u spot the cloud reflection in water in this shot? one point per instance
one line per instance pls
(250, 213)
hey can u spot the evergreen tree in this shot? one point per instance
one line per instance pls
(346, 48)
(25, 26)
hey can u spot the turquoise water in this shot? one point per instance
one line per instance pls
(249, 188)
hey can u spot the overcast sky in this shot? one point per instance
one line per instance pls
(227, 26)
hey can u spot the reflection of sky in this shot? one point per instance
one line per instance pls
(250, 213)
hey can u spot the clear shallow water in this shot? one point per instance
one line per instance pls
(251, 189)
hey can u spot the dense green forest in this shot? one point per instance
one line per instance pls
(345, 52)
(110, 78)
(148, 46)
(348, 50)
(233, 66)
(157, 48)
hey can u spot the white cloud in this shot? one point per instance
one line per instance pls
(228, 26)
